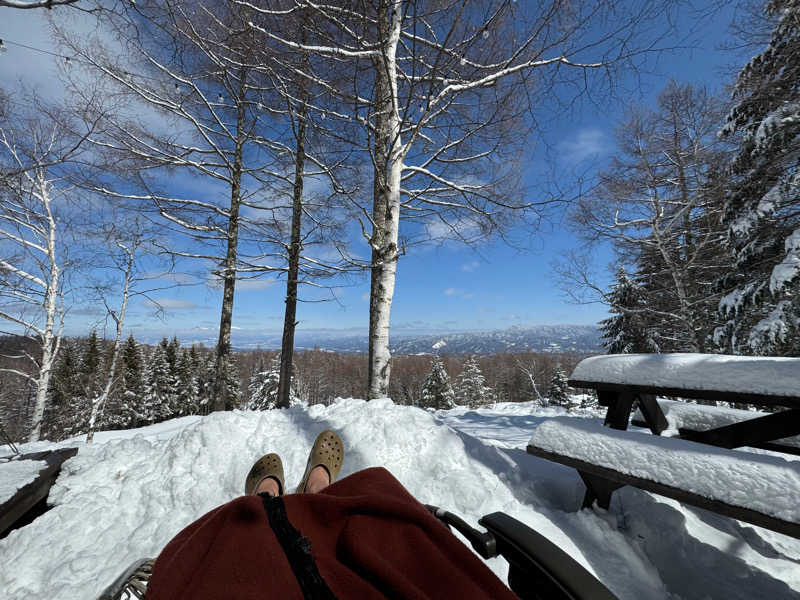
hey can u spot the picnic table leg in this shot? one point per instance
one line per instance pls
(598, 489)
(619, 408)
(653, 414)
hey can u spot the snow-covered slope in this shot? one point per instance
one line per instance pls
(125, 496)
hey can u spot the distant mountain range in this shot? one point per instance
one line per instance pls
(584, 339)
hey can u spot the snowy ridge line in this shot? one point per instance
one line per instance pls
(766, 484)
(697, 417)
(718, 374)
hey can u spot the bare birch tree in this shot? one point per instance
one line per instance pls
(34, 154)
(440, 90)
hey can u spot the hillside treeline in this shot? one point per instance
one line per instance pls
(153, 383)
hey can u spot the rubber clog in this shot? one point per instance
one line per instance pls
(269, 465)
(328, 452)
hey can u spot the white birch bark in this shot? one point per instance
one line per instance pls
(385, 269)
(50, 338)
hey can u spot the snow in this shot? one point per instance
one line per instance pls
(15, 474)
(124, 496)
(699, 417)
(713, 372)
(786, 270)
(768, 484)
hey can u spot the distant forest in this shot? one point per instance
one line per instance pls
(163, 381)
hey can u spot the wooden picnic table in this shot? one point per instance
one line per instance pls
(620, 388)
(33, 494)
(621, 381)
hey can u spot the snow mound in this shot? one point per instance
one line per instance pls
(125, 496)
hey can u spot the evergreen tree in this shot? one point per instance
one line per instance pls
(64, 388)
(263, 387)
(231, 382)
(436, 391)
(559, 388)
(159, 385)
(762, 208)
(627, 331)
(187, 400)
(469, 387)
(90, 375)
(132, 397)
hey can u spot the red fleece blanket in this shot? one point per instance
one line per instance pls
(369, 538)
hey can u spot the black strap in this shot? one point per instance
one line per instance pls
(297, 550)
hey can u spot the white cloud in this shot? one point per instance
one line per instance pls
(246, 285)
(171, 304)
(452, 229)
(470, 266)
(452, 292)
(587, 143)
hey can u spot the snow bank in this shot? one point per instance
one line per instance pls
(700, 417)
(768, 484)
(715, 372)
(125, 496)
(15, 474)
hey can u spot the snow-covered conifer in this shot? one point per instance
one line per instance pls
(762, 210)
(187, 402)
(263, 387)
(159, 387)
(469, 387)
(558, 391)
(436, 391)
(627, 331)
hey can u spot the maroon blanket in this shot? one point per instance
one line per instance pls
(368, 536)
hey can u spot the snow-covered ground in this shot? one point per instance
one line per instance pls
(127, 494)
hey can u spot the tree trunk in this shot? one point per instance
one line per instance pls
(289, 322)
(50, 339)
(388, 155)
(221, 400)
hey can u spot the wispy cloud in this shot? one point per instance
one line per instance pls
(587, 143)
(171, 304)
(470, 266)
(459, 293)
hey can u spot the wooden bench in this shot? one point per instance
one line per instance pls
(31, 498)
(624, 380)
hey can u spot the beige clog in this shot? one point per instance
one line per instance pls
(328, 451)
(269, 465)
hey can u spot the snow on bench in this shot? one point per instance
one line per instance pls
(700, 417)
(16, 474)
(760, 489)
(717, 375)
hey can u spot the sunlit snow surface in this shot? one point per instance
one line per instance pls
(126, 495)
(15, 474)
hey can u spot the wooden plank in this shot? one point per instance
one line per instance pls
(750, 432)
(745, 398)
(723, 508)
(31, 494)
(688, 434)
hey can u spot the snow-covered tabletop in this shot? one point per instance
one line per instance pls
(760, 375)
(15, 474)
(767, 484)
(700, 417)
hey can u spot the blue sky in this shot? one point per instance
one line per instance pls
(447, 287)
